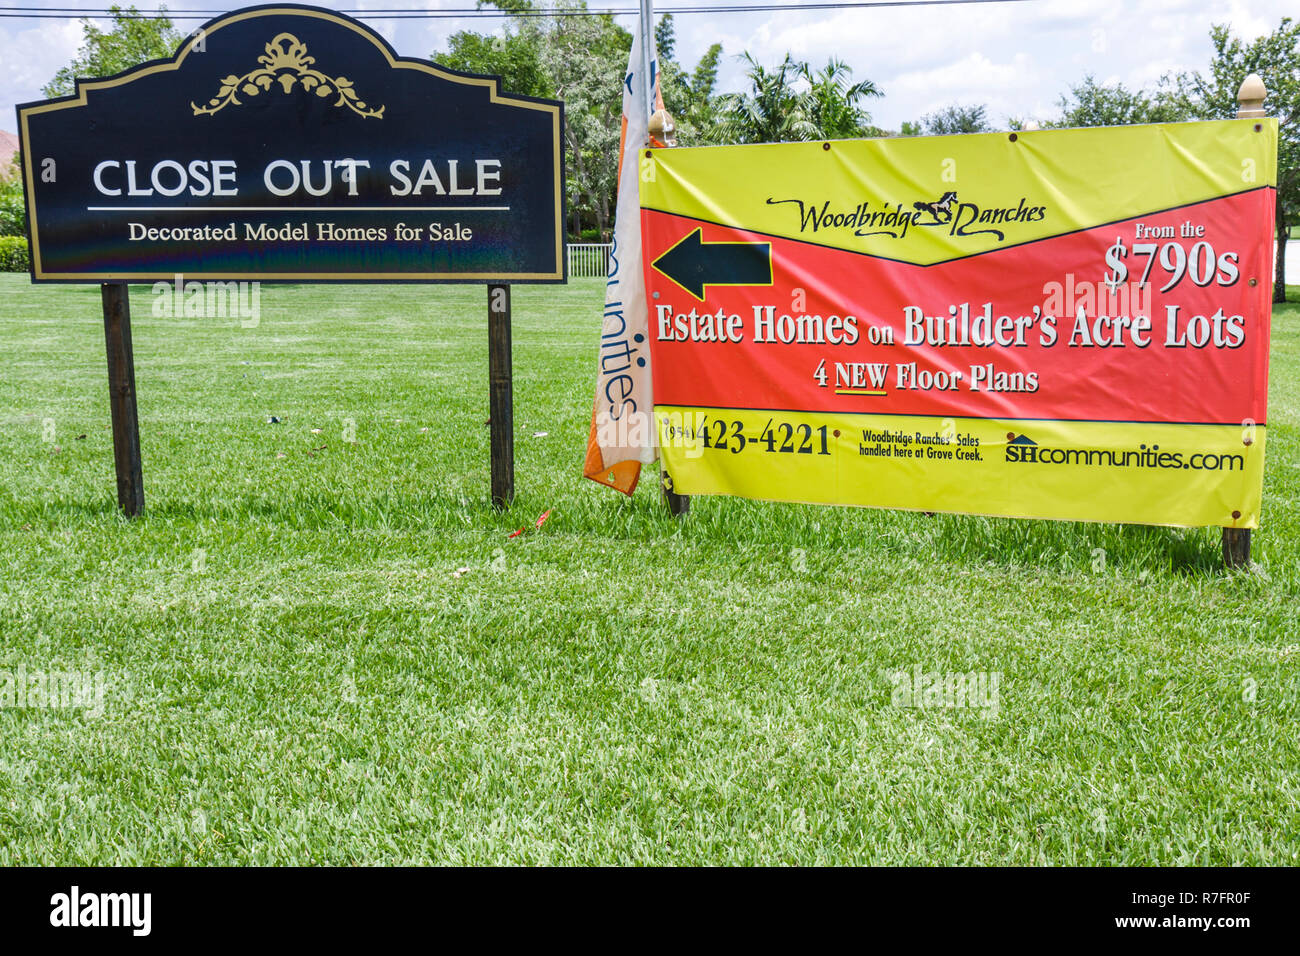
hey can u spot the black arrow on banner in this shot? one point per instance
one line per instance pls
(693, 263)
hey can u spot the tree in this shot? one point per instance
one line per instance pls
(13, 214)
(578, 59)
(700, 108)
(516, 58)
(131, 41)
(956, 119)
(1276, 58)
(674, 83)
(582, 60)
(1092, 104)
(665, 39)
(770, 110)
(833, 101)
(688, 96)
(790, 103)
(586, 58)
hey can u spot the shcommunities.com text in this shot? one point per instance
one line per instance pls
(1143, 456)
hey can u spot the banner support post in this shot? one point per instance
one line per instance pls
(1250, 105)
(677, 505)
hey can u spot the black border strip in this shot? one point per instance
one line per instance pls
(982, 418)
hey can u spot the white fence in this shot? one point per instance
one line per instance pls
(589, 260)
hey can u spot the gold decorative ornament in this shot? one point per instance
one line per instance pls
(287, 53)
(662, 128)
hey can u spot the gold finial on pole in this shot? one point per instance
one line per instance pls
(1250, 98)
(663, 129)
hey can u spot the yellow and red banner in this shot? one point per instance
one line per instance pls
(1067, 324)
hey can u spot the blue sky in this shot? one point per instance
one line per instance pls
(1018, 58)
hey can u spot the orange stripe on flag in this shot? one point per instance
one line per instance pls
(622, 145)
(621, 476)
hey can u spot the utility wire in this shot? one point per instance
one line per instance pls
(475, 13)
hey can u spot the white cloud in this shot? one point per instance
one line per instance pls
(1000, 84)
(30, 55)
(1016, 58)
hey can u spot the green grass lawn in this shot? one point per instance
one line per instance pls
(298, 669)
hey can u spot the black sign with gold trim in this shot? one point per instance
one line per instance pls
(291, 142)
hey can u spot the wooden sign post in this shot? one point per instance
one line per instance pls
(121, 397)
(501, 401)
(663, 134)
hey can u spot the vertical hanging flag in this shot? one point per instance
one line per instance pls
(622, 436)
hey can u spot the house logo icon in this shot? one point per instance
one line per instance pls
(1021, 448)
